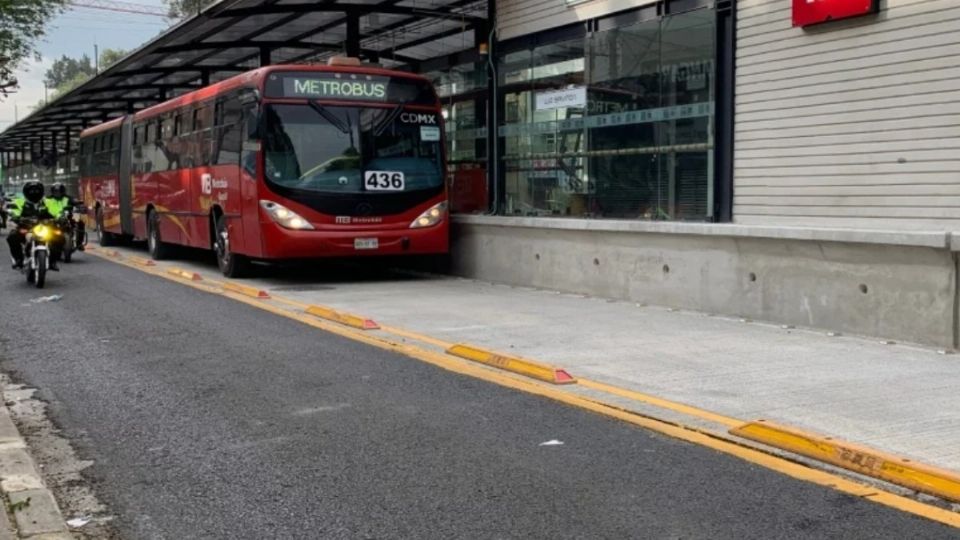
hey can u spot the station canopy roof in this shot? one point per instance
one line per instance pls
(232, 36)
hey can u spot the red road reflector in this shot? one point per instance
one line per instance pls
(560, 376)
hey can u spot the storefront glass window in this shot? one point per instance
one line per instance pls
(616, 125)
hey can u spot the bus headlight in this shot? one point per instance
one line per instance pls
(431, 217)
(285, 217)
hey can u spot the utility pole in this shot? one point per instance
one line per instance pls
(96, 58)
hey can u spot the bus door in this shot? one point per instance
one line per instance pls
(249, 163)
(124, 181)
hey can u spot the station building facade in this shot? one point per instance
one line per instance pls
(739, 158)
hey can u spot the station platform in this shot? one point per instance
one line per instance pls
(893, 397)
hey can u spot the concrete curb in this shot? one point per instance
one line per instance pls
(27, 499)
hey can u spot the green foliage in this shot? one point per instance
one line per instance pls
(22, 23)
(68, 69)
(180, 9)
(68, 73)
(110, 57)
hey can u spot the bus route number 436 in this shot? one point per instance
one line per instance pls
(383, 180)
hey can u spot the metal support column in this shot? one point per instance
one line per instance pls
(264, 57)
(352, 44)
(724, 112)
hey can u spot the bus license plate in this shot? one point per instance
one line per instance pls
(366, 243)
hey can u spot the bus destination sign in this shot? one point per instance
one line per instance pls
(317, 88)
(349, 87)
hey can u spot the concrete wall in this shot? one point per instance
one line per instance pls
(894, 285)
(852, 123)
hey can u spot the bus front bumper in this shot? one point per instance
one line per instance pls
(281, 243)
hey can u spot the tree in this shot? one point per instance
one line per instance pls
(22, 23)
(110, 57)
(68, 69)
(180, 9)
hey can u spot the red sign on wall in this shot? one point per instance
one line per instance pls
(807, 12)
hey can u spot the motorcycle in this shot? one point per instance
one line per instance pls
(39, 235)
(74, 235)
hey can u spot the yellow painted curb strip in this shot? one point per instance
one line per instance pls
(245, 290)
(515, 364)
(776, 463)
(896, 470)
(354, 321)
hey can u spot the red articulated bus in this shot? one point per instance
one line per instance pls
(283, 162)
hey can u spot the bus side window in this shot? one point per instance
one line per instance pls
(229, 132)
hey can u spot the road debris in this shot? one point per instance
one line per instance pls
(552, 442)
(51, 298)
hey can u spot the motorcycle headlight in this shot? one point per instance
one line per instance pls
(431, 216)
(42, 232)
(285, 217)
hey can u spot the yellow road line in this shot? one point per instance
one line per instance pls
(417, 337)
(900, 471)
(662, 403)
(757, 457)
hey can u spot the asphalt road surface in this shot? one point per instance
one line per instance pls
(207, 418)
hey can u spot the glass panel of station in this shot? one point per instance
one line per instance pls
(616, 123)
(464, 95)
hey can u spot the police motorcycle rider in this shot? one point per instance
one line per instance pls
(31, 205)
(58, 193)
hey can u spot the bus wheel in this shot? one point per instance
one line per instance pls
(106, 239)
(159, 250)
(231, 264)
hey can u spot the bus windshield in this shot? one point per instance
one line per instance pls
(320, 148)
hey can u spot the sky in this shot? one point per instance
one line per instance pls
(74, 33)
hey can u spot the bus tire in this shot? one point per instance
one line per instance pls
(232, 265)
(159, 250)
(105, 238)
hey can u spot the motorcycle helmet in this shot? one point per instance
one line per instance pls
(58, 190)
(33, 191)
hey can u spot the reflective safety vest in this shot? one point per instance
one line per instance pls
(52, 206)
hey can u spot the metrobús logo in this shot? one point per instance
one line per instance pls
(208, 183)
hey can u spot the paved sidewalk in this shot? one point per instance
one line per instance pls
(898, 398)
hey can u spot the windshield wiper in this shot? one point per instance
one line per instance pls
(390, 118)
(330, 117)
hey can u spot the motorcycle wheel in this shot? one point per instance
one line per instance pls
(41, 268)
(67, 255)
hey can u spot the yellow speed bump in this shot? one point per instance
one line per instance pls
(245, 290)
(141, 261)
(347, 319)
(515, 364)
(866, 461)
(185, 274)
